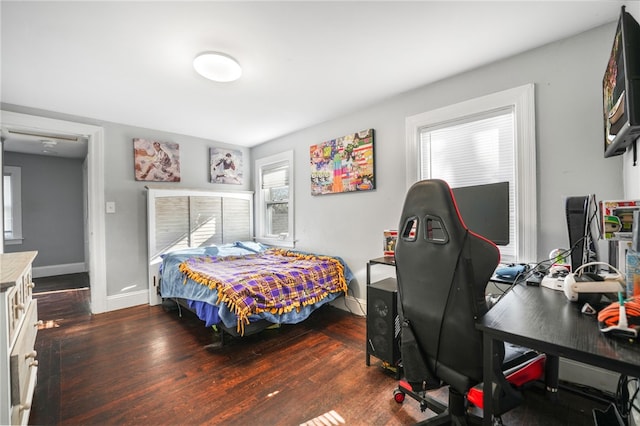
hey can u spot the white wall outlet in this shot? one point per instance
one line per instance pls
(111, 207)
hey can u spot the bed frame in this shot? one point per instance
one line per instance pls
(220, 330)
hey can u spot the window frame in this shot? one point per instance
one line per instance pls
(262, 204)
(522, 99)
(15, 237)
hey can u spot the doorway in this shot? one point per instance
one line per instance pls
(93, 190)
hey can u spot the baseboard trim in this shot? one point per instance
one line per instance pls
(127, 300)
(54, 270)
(351, 304)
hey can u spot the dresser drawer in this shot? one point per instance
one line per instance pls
(23, 363)
(19, 298)
(16, 310)
(27, 285)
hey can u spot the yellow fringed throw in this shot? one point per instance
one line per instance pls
(276, 281)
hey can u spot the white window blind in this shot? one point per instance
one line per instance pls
(275, 184)
(275, 176)
(274, 201)
(471, 153)
(474, 150)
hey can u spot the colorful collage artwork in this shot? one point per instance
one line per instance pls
(344, 164)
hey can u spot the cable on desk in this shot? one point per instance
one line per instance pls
(540, 267)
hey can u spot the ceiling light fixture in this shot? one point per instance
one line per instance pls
(217, 67)
(42, 135)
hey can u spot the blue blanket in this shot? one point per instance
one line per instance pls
(204, 300)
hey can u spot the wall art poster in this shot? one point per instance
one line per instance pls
(226, 166)
(156, 161)
(344, 164)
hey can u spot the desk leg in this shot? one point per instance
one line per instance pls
(491, 364)
(551, 376)
(368, 359)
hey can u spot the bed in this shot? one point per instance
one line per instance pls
(194, 234)
(244, 286)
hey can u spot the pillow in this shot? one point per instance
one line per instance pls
(195, 251)
(251, 246)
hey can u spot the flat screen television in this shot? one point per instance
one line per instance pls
(621, 88)
(485, 210)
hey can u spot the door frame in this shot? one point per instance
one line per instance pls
(95, 191)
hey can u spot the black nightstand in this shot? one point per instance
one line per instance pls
(383, 321)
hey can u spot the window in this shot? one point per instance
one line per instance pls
(12, 202)
(274, 204)
(485, 140)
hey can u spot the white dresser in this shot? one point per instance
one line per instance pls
(18, 329)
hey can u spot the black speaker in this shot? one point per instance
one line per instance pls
(383, 322)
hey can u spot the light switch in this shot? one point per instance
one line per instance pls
(111, 207)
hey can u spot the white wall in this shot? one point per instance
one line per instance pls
(631, 176)
(567, 76)
(631, 172)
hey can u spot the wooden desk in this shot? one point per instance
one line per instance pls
(543, 319)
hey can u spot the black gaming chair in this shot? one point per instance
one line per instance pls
(442, 271)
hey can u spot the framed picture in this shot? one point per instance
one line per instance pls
(390, 239)
(225, 165)
(344, 164)
(156, 161)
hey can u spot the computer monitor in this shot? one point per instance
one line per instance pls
(485, 210)
(582, 225)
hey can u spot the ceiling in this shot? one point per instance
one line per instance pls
(44, 143)
(303, 62)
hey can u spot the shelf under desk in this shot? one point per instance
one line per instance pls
(544, 320)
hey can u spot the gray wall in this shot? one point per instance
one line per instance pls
(567, 77)
(126, 230)
(52, 214)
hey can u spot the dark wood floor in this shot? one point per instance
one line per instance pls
(145, 366)
(61, 282)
